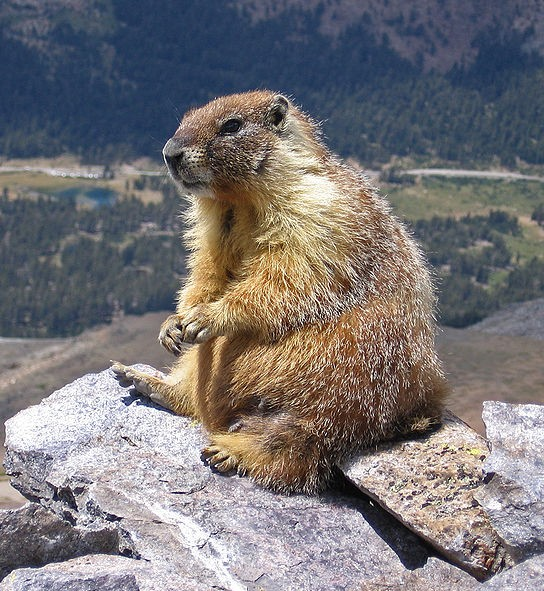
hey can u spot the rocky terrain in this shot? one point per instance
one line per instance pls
(120, 499)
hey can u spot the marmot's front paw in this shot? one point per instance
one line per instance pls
(170, 334)
(192, 327)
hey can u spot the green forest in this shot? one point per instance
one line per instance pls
(476, 272)
(66, 268)
(116, 89)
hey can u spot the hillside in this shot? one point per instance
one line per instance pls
(447, 80)
(435, 35)
(525, 319)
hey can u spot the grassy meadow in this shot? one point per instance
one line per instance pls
(457, 197)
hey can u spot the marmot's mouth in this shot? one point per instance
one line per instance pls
(196, 188)
(193, 184)
(186, 183)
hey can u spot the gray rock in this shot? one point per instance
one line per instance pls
(435, 575)
(514, 495)
(527, 576)
(92, 573)
(33, 536)
(428, 483)
(97, 456)
(109, 472)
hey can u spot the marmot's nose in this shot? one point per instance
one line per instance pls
(173, 153)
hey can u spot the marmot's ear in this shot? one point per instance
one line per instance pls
(277, 112)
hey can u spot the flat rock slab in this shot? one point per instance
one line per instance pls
(513, 495)
(428, 484)
(89, 573)
(98, 458)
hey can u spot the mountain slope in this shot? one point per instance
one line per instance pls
(525, 319)
(108, 79)
(436, 35)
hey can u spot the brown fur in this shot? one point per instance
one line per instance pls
(310, 305)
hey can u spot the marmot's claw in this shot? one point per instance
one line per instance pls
(170, 345)
(220, 459)
(171, 334)
(177, 330)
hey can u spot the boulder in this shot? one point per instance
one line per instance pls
(33, 536)
(97, 456)
(90, 573)
(428, 483)
(120, 499)
(513, 495)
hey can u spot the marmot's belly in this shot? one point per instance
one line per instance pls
(335, 376)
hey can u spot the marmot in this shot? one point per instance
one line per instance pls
(309, 306)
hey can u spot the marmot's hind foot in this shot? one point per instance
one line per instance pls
(291, 468)
(149, 386)
(221, 459)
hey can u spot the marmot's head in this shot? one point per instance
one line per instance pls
(240, 144)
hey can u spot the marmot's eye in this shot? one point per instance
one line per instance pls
(231, 126)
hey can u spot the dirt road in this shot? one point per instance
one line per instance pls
(477, 174)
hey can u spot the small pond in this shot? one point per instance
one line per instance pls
(91, 196)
